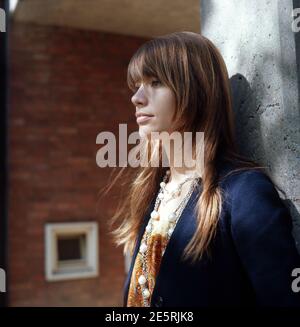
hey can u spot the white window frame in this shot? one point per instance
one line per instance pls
(75, 270)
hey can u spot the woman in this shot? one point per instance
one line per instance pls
(206, 235)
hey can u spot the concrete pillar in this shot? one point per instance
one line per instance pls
(261, 52)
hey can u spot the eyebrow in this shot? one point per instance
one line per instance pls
(146, 79)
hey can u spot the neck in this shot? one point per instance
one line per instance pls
(179, 174)
(180, 166)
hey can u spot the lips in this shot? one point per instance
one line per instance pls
(139, 114)
(142, 117)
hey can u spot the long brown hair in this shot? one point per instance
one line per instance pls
(193, 68)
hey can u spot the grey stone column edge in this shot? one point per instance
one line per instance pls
(262, 55)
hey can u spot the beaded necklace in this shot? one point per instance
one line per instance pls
(172, 220)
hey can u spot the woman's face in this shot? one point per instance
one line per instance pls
(155, 106)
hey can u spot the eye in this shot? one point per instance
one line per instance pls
(155, 82)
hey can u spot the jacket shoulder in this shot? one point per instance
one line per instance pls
(236, 182)
(261, 229)
(246, 186)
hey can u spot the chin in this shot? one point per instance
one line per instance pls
(143, 132)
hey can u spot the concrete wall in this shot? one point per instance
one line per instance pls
(260, 50)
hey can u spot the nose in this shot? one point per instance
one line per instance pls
(139, 98)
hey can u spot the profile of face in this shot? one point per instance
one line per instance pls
(155, 106)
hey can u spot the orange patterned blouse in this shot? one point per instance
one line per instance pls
(157, 242)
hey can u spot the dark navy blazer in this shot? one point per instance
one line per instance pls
(253, 253)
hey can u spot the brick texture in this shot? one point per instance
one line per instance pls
(66, 86)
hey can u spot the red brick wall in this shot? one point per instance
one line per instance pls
(66, 86)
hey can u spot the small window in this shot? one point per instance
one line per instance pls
(71, 250)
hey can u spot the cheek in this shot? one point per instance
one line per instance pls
(166, 109)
